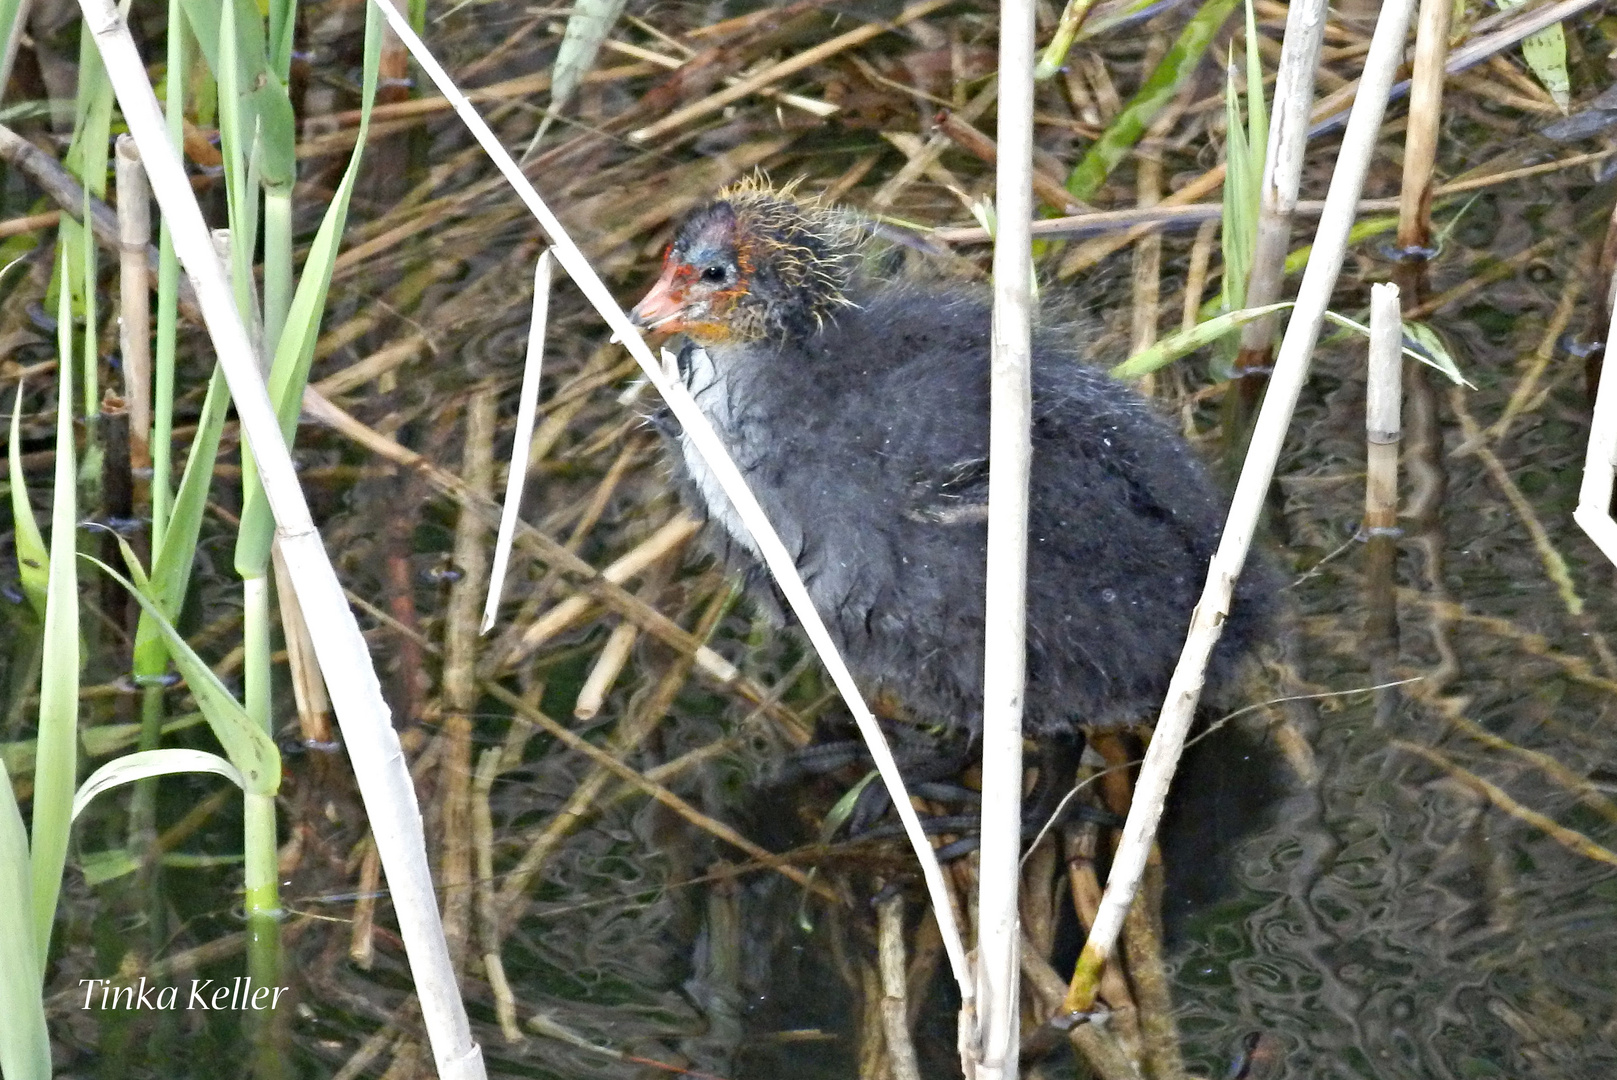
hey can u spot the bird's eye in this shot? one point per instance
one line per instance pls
(713, 273)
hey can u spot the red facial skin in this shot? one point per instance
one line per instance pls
(681, 302)
(666, 298)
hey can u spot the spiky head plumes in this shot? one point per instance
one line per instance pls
(752, 265)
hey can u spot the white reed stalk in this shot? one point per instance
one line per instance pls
(1600, 462)
(134, 298)
(379, 765)
(1283, 162)
(1383, 405)
(724, 470)
(1268, 435)
(1010, 451)
(527, 407)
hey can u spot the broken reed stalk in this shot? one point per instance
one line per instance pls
(135, 302)
(1425, 118)
(1282, 173)
(614, 656)
(695, 424)
(308, 687)
(895, 988)
(1010, 454)
(1382, 408)
(389, 795)
(1149, 979)
(1268, 435)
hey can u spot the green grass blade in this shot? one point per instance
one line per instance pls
(1055, 53)
(278, 272)
(1238, 230)
(1257, 113)
(92, 356)
(92, 119)
(25, 1051)
(235, 138)
(202, 16)
(1362, 230)
(1102, 23)
(259, 85)
(1432, 351)
(283, 20)
(168, 292)
(277, 133)
(1159, 88)
(57, 762)
(98, 741)
(206, 17)
(171, 566)
(1185, 342)
(247, 746)
(144, 764)
(32, 556)
(295, 352)
(87, 158)
(843, 809)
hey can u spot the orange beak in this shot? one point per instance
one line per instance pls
(660, 308)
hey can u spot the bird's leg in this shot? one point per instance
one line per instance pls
(1047, 803)
(931, 770)
(821, 759)
(928, 767)
(924, 771)
(830, 753)
(1058, 758)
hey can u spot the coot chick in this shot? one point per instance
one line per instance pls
(856, 406)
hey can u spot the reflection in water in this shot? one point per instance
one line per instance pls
(1407, 926)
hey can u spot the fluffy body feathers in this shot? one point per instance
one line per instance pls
(858, 412)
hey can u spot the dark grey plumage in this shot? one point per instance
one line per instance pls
(865, 439)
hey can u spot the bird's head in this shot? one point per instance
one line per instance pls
(752, 265)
